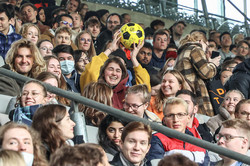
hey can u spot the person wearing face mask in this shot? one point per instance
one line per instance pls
(26, 141)
(65, 55)
(196, 67)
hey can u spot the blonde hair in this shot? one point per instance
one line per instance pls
(25, 27)
(11, 158)
(62, 30)
(192, 38)
(39, 63)
(175, 101)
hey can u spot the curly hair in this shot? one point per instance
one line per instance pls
(39, 152)
(25, 27)
(101, 93)
(45, 121)
(39, 64)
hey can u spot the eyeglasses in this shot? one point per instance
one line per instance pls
(133, 106)
(245, 48)
(66, 23)
(46, 49)
(245, 114)
(226, 137)
(86, 40)
(178, 115)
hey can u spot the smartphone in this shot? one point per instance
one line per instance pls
(215, 54)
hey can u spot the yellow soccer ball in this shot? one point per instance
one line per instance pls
(131, 33)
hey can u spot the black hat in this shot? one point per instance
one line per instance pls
(120, 53)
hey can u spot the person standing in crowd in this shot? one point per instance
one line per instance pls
(225, 41)
(25, 59)
(177, 31)
(7, 31)
(135, 139)
(160, 44)
(196, 67)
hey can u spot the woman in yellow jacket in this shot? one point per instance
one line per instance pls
(113, 72)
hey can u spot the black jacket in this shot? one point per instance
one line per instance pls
(102, 39)
(118, 162)
(240, 79)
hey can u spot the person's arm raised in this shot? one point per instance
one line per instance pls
(135, 52)
(114, 45)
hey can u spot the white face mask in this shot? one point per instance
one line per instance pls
(28, 158)
(149, 41)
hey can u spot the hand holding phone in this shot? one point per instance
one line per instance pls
(215, 54)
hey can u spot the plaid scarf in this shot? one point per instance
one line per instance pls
(25, 114)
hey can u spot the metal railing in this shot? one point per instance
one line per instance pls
(129, 117)
(174, 11)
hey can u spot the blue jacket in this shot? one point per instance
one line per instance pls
(6, 41)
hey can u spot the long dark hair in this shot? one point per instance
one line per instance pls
(103, 139)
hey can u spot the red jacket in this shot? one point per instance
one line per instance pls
(160, 144)
(119, 94)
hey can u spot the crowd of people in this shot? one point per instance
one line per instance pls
(172, 79)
